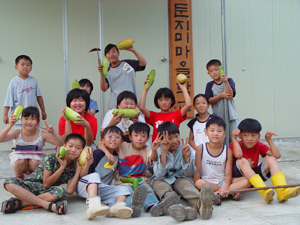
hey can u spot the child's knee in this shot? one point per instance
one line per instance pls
(243, 163)
(21, 163)
(33, 164)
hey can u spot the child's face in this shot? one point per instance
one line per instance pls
(174, 139)
(87, 88)
(112, 140)
(214, 72)
(215, 133)
(112, 55)
(164, 103)
(74, 148)
(138, 140)
(24, 67)
(78, 105)
(30, 122)
(127, 103)
(249, 139)
(201, 105)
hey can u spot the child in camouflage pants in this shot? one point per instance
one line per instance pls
(42, 188)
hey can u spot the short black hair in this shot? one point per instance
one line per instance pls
(167, 93)
(17, 60)
(76, 137)
(200, 95)
(86, 82)
(216, 120)
(31, 111)
(109, 47)
(212, 62)
(139, 127)
(77, 93)
(168, 126)
(250, 125)
(126, 94)
(112, 129)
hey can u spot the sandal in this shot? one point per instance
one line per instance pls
(12, 204)
(237, 196)
(58, 205)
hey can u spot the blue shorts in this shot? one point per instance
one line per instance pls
(260, 170)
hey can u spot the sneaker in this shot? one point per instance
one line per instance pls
(206, 196)
(138, 198)
(163, 206)
(181, 213)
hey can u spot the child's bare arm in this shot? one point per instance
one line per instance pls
(6, 134)
(237, 151)
(111, 158)
(187, 99)
(50, 178)
(155, 145)
(165, 145)
(273, 148)
(92, 112)
(142, 105)
(191, 140)
(198, 159)
(72, 184)
(140, 58)
(228, 174)
(228, 88)
(52, 136)
(40, 101)
(5, 115)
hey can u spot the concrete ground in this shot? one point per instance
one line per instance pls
(250, 209)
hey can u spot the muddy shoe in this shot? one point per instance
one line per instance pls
(181, 213)
(138, 198)
(216, 199)
(206, 197)
(163, 206)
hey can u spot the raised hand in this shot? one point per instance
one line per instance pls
(48, 128)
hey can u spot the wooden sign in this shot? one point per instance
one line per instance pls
(181, 49)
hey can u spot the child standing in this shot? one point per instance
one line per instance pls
(133, 160)
(87, 85)
(197, 125)
(98, 174)
(218, 90)
(42, 187)
(247, 152)
(173, 172)
(214, 160)
(29, 134)
(23, 90)
(121, 73)
(164, 99)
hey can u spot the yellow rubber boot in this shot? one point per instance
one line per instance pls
(268, 194)
(283, 194)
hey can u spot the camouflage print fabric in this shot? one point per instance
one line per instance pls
(34, 183)
(38, 188)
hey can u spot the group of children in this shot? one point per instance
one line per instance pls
(200, 169)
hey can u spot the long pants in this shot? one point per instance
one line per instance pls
(182, 186)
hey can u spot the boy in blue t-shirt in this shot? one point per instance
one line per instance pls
(218, 90)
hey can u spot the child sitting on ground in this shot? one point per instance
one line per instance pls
(133, 160)
(214, 160)
(25, 162)
(173, 172)
(87, 85)
(98, 174)
(42, 187)
(247, 151)
(164, 99)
